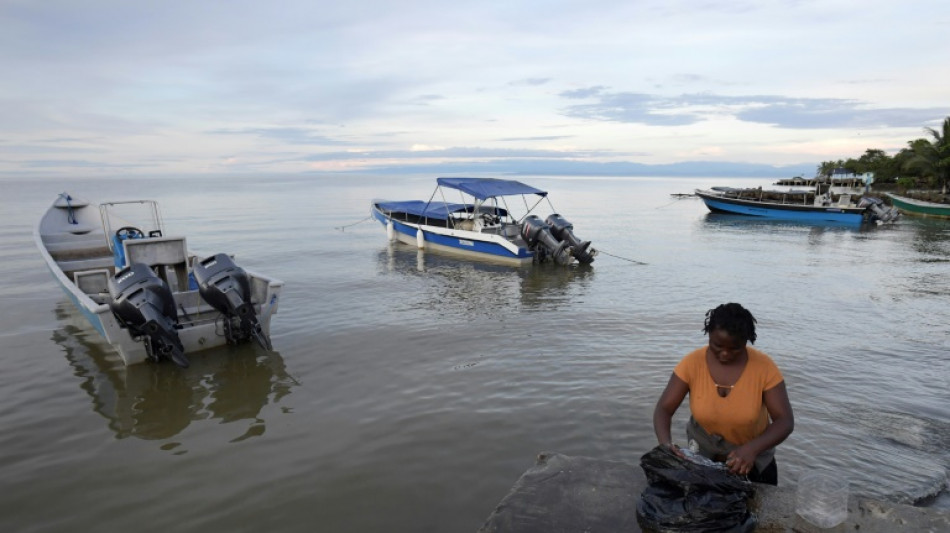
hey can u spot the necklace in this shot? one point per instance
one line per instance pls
(723, 390)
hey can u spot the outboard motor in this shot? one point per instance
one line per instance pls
(225, 286)
(143, 303)
(563, 230)
(879, 211)
(538, 236)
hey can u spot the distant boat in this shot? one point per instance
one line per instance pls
(482, 226)
(146, 293)
(920, 208)
(798, 205)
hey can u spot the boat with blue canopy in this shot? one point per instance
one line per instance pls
(480, 223)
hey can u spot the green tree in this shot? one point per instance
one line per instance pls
(827, 167)
(876, 161)
(930, 158)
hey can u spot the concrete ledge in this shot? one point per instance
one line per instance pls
(562, 494)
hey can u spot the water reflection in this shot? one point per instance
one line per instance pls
(474, 287)
(931, 237)
(720, 221)
(158, 401)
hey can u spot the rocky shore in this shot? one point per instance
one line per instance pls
(562, 494)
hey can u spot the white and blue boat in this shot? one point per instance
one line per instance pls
(145, 292)
(796, 204)
(481, 224)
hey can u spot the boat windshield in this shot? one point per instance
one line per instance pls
(142, 215)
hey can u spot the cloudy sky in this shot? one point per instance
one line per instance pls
(120, 87)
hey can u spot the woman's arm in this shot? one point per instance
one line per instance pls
(742, 459)
(669, 402)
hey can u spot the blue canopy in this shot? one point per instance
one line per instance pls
(436, 210)
(484, 188)
(420, 208)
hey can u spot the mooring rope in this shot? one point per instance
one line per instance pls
(600, 251)
(341, 228)
(677, 199)
(70, 216)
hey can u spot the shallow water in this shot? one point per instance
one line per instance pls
(408, 391)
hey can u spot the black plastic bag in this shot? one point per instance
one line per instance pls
(682, 495)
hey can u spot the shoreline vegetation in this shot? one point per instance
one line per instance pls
(920, 171)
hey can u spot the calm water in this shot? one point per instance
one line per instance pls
(409, 391)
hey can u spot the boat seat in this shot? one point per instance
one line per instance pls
(168, 256)
(844, 200)
(93, 282)
(63, 253)
(70, 267)
(510, 230)
(466, 225)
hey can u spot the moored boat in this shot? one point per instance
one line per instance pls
(146, 293)
(796, 204)
(482, 225)
(913, 207)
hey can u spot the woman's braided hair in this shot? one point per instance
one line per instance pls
(734, 319)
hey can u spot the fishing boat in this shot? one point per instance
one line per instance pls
(796, 204)
(145, 292)
(481, 224)
(920, 208)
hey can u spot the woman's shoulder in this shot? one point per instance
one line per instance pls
(692, 362)
(760, 357)
(696, 356)
(764, 365)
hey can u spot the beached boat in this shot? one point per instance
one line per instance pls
(482, 225)
(796, 204)
(920, 208)
(146, 293)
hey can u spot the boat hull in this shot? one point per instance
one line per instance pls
(468, 244)
(919, 208)
(79, 255)
(803, 213)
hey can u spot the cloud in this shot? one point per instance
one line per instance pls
(560, 167)
(537, 138)
(289, 135)
(632, 108)
(78, 163)
(779, 111)
(587, 92)
(180, 83)
(459, 152)
(531, 82)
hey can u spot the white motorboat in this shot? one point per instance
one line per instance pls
(145, 292)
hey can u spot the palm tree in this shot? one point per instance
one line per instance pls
(931, 158)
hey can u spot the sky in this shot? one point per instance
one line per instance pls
(171, 87)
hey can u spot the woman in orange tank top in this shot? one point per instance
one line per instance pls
(737, 398)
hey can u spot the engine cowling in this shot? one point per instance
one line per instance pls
(538, 236)
(226, 287)
(564, 230)
(143, 303)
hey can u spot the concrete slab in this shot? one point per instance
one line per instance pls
(572, 494)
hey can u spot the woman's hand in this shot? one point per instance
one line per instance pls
(674, 449)
(741, 461)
